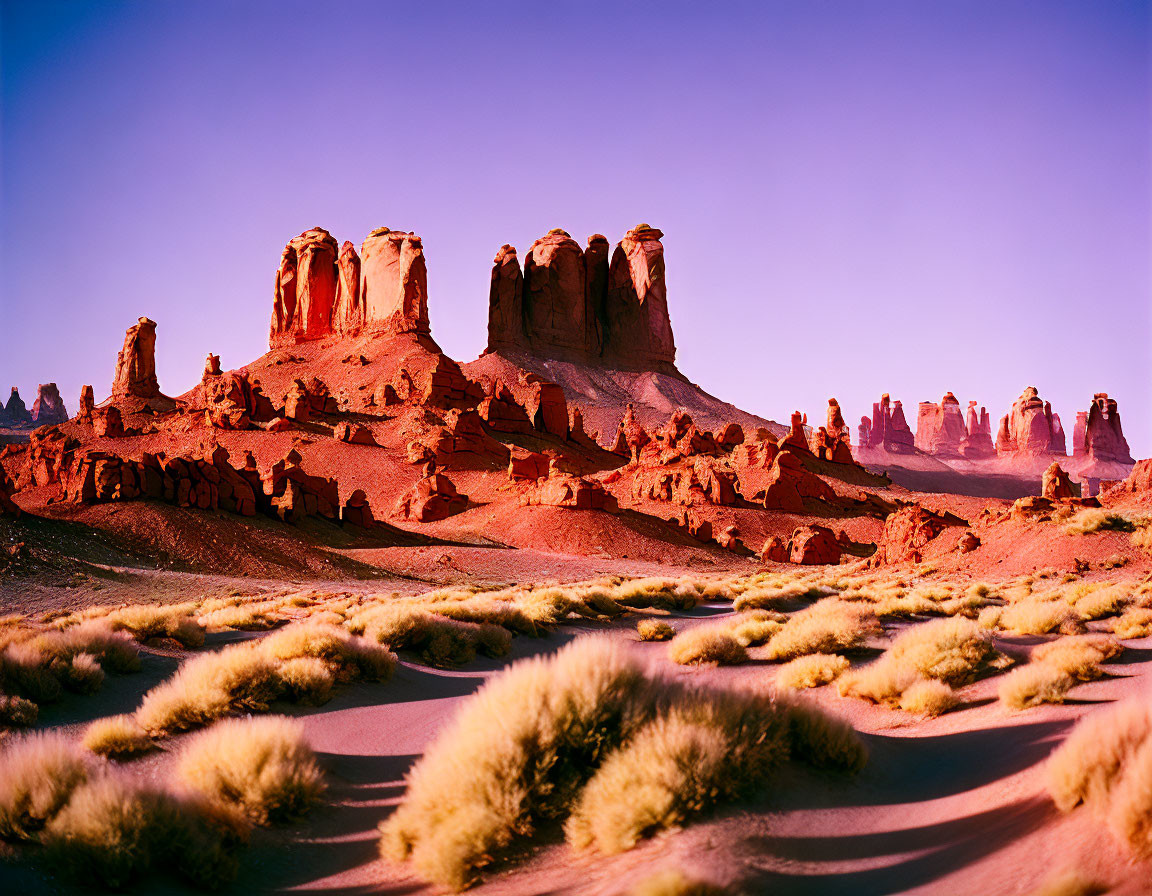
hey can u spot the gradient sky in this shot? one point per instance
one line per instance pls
(857, 197)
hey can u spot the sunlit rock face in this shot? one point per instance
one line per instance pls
(1030, 428)
(586, 305)
(1098, 435)
(136, 363)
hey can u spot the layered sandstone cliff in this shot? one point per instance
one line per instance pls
(580, 305)
(1030, 428)
(323, 289)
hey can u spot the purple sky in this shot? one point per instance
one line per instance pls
(857, 197)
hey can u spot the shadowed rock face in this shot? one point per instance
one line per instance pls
(49, 406)
(16, 412)
(1098, 434)
(136, 363)
(978, 438)
(940, 427)
(323, 289)
(1030, 428)
(579, 305)
(887, 429)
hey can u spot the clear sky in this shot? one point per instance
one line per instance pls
(857, 197)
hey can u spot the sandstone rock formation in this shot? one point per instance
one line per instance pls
(136, 363)
(977, 442)
(87, 404)
(48, 408)
(789, 484)
(809, 546)
(432, 498)
(906, 532)
(567, 490)
(1056, 485)
(15, 411)
(1098, 435)
(323, 289)
(578, 305)
(8, 507)
(940, 428)
(887, 430)
(1030, 428)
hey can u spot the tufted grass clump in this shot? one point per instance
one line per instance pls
(174, 621)
(1035, 617)
(707, 644)
(17, 712)
(828, 626)
(1106, 763)
(115, 830)
(952, 651)
(655, 630)
(928, 697)
(1089, 520)
(1034, 684)
(263, 767)
(117, 737)
(1078, 655)
(590, 736)
(1136, 622)
(38, 773)
(249, 677)
(811, 671)
(673, 882)
(769, 597)
(440, 639)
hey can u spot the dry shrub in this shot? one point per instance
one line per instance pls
(1089, 520)
(146, 622)
(479, 785)
(707, 644)
(1106, 763)
(768, 598)
(654, 630)
(16, 712)
(263, 767)
(660, 594)
(1142, 538)
(1103, 602)
(811, 671)
(1034, 684)
(248, 677)
(39, 665)
(1135, 623)
(251, 617)
(929, 697)
(673, 882)
(828, 626)
(590, 711)
(951, 651)
(1078, 655)
(757, 627)
(82, 674)
(37, 776)
(708, 749)
(1032, 617)
(440, 639)
(117, 737)
(114, 830)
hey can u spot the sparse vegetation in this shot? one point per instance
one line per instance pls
(673, 882)
(1090, 519)
(263, 767)
(1106, 763)
(655, 630)
(37, 776)
(928, 697)
(828, 626)
(574, 726)
(1135, 623)
(1034, 684)
(811, 671)
(707, 644)
(117, 737)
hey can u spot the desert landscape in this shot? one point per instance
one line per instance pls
(355, 616)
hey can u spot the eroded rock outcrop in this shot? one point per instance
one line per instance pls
(1056, 485)
(1098, 435)
(887, 429)
(789, 484)
(906, 533)
(940, 428)
(136, 363)
(432, 498)
(808, 546)
(87, 404)
(323, 289)
(977, 443)
(48, 409)
(15, 411)
(581, 305)
(1030, 428)
(568, 490)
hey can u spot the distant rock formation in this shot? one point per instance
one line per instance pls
(16, 412)
(1030, 428)
(323, 289)
(940, 428)
(887, 430)
(1098, 435)
(977, 443)
(87, 404)
(578, 305)
(48, 408)
(136, 363)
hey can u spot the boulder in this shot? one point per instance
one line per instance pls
(775, 550)
(528, 465)
(728, 437)
(789, 483)
(354, 434)
(1056, 485)
(109, 423)
(136, 363)
(567, 490)
(48, 409)
(906, 532)
(432, 498)
(356, 511)
(814, 546)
